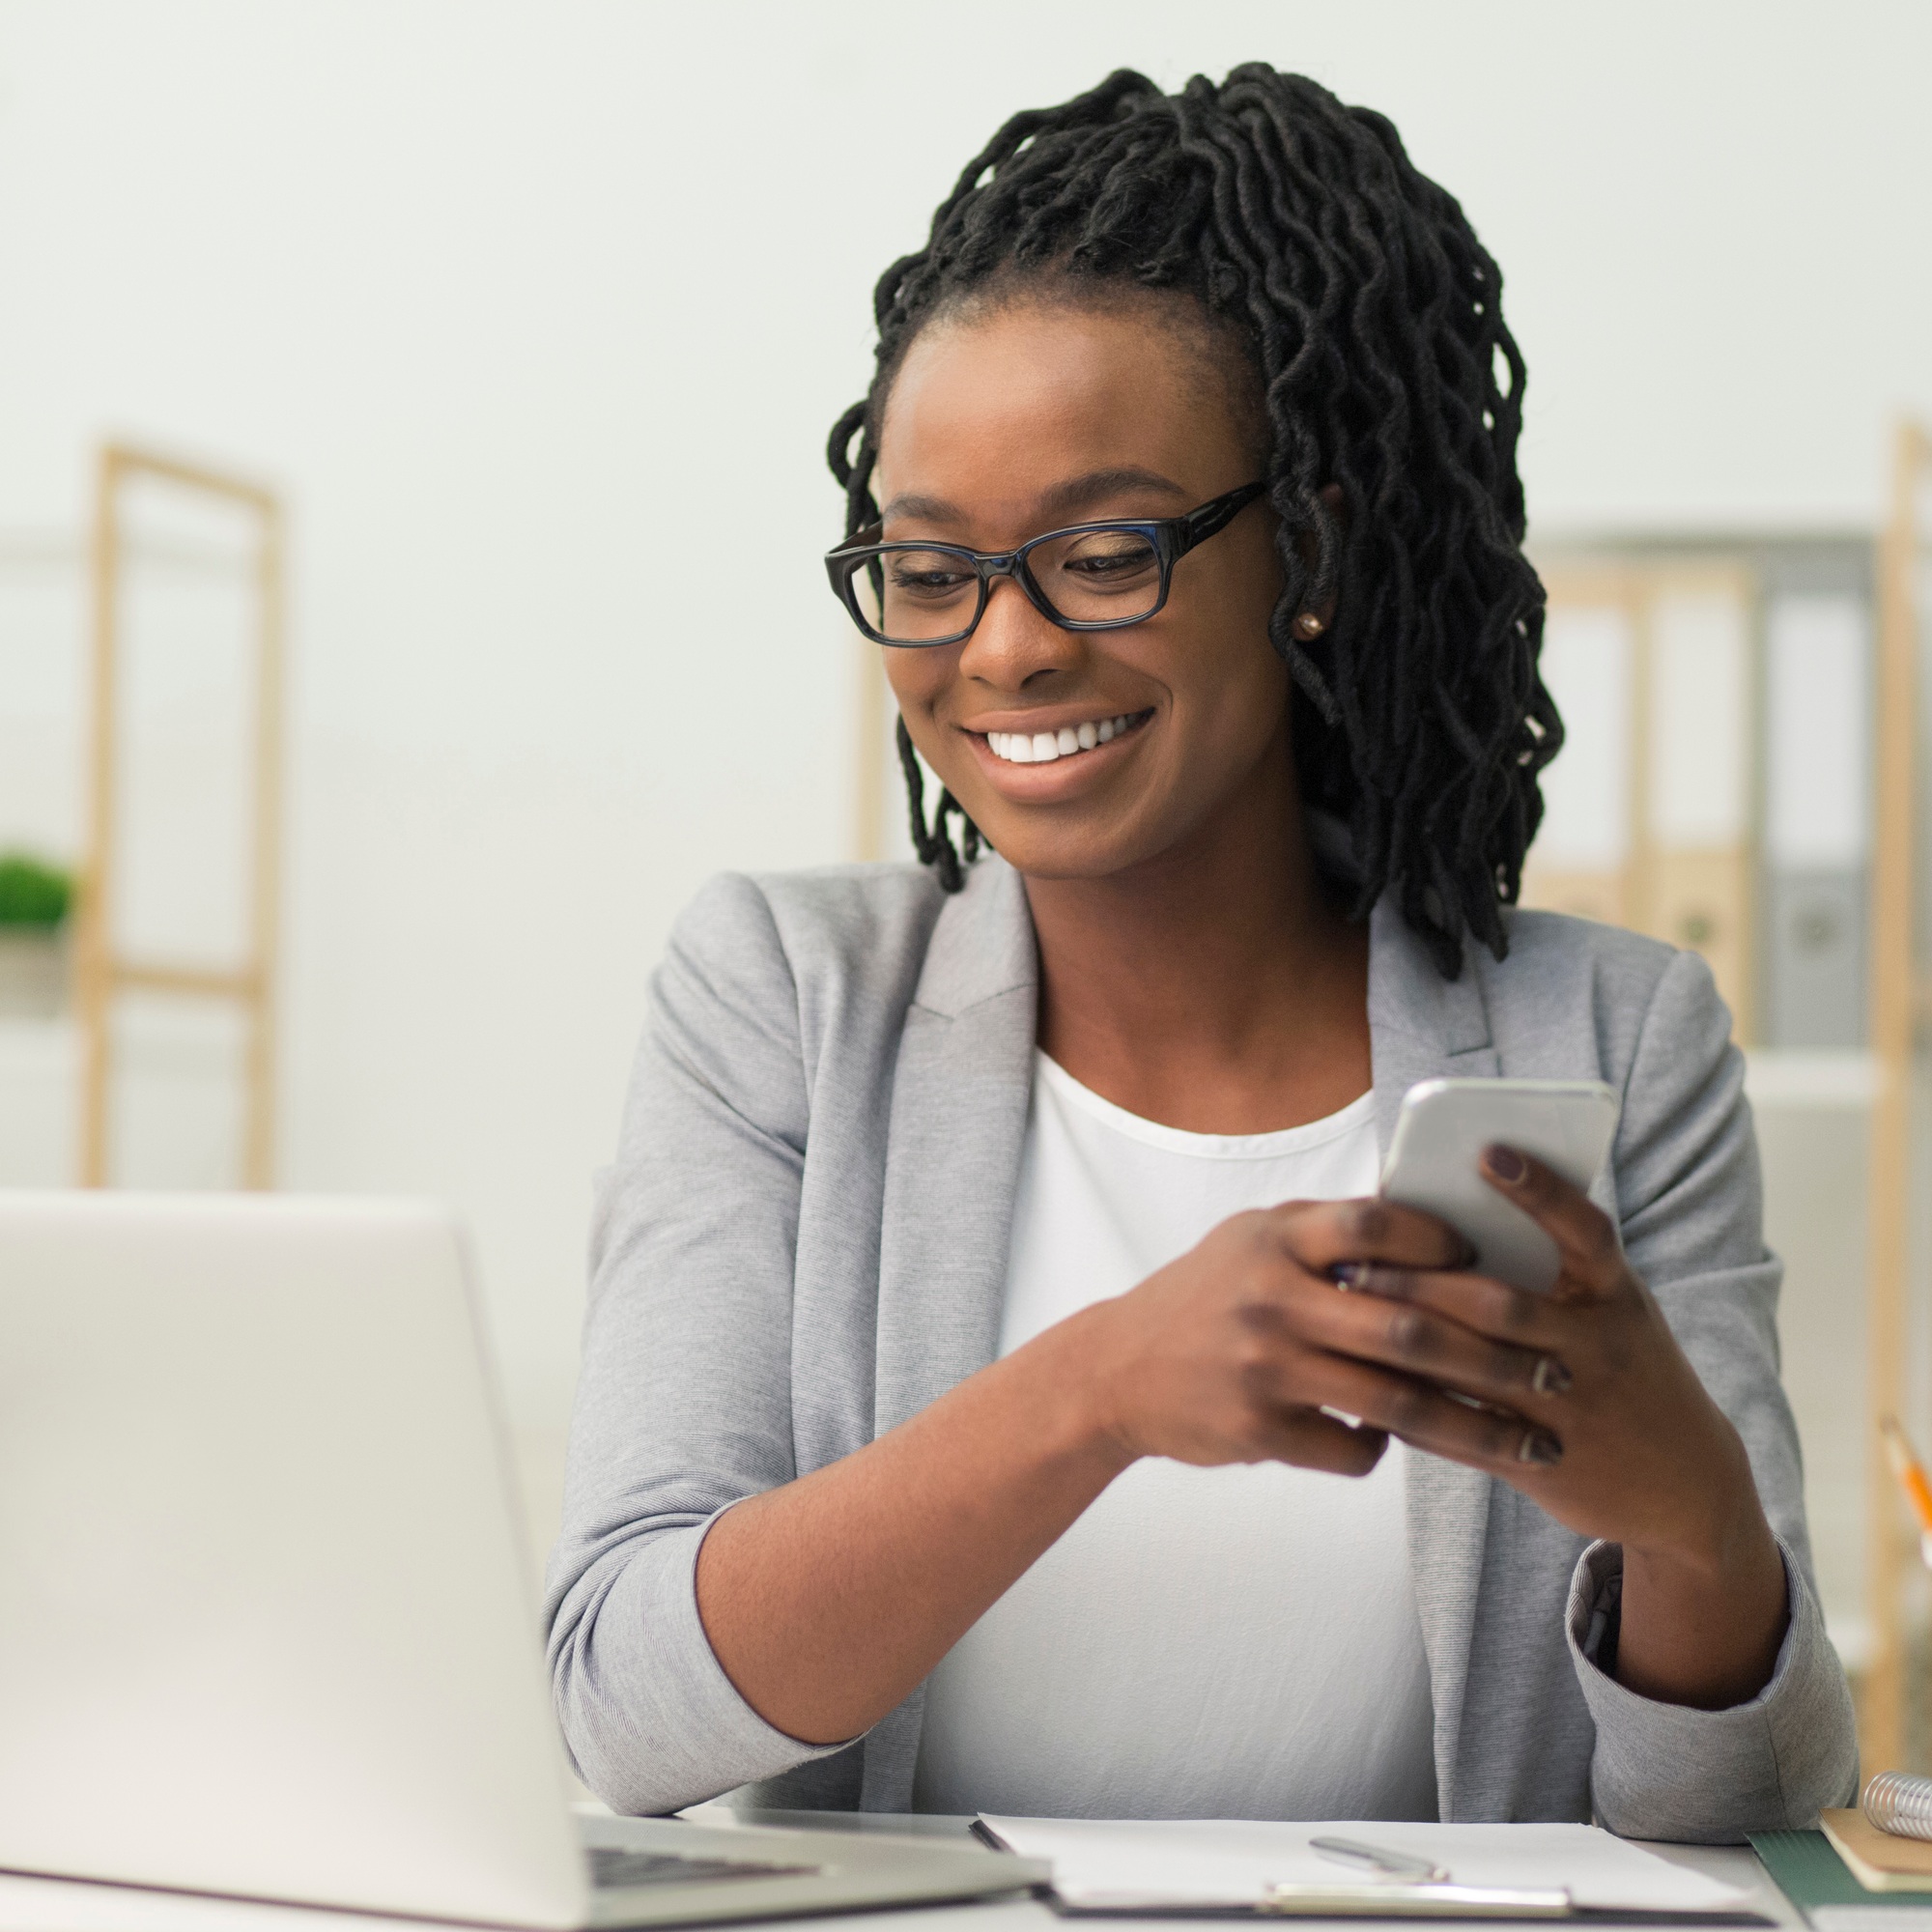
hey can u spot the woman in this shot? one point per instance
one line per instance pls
(966, 1423)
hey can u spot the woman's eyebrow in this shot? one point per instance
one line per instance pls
(1083, 492)
(927, 509)
(1063, 500)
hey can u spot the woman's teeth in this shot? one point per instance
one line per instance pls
(1042, 748)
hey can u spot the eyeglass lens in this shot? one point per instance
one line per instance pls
(1102, 576)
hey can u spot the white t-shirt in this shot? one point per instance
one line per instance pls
(1236, 1642)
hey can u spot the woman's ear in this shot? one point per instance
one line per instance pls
(1312, 623)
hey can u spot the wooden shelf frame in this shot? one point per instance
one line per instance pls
(1895, 996)
(101, 971)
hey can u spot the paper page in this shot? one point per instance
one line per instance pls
(1233, 1862)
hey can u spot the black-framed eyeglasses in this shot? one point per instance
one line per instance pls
(1088, 577)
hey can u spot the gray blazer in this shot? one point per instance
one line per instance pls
(803, 1243)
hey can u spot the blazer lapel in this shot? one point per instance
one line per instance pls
(954, 1145)
(1422, 1027)
(952, 1159)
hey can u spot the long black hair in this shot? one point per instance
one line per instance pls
(1373, 317)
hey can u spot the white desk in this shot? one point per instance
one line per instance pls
(51, 1905)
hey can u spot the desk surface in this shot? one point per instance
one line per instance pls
(55, 1905)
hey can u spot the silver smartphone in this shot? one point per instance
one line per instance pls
(1439, 1137)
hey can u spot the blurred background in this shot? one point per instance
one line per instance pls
(452, 606)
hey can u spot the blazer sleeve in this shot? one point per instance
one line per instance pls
(1689, 1200)
(684, 1399)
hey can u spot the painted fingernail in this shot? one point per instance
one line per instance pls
(1505, 1163)
(1549, 1377)
(1350, 1274)
(1538, 1445)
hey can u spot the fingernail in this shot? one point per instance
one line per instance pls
(1538, 1445)
(1551, 1377)
(1349, 1274)
(1505, 1163)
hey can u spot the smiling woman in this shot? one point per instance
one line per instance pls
(991, 1306)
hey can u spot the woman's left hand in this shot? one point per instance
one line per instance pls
(1620, 1439)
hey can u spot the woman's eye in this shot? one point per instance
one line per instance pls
(926, 578)
(1110, 559)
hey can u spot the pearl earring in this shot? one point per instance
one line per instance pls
(1308, 625)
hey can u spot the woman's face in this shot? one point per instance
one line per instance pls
(1019, 420)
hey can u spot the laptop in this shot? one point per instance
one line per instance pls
(266, 1625)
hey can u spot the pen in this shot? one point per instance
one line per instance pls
(1396, 1864)
(1912, 1479)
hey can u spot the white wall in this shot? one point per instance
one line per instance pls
(540, 313)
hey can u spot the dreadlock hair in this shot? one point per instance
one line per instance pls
(1372, 314)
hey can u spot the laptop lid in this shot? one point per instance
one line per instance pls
(265, 1623)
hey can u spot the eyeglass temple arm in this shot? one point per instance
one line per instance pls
(1198, 526)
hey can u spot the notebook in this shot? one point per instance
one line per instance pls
(1880, 1860)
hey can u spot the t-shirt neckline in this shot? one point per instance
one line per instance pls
(1356, 1115)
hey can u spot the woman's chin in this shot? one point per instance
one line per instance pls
(1068, 850)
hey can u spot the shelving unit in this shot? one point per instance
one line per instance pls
(103, 969)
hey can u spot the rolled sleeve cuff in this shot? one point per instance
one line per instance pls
(1669, 1771)
(651, 1719)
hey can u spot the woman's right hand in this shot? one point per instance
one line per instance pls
(1233, 1352)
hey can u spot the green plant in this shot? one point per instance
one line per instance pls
(32, 894)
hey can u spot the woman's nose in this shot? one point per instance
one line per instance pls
(1013, 643)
